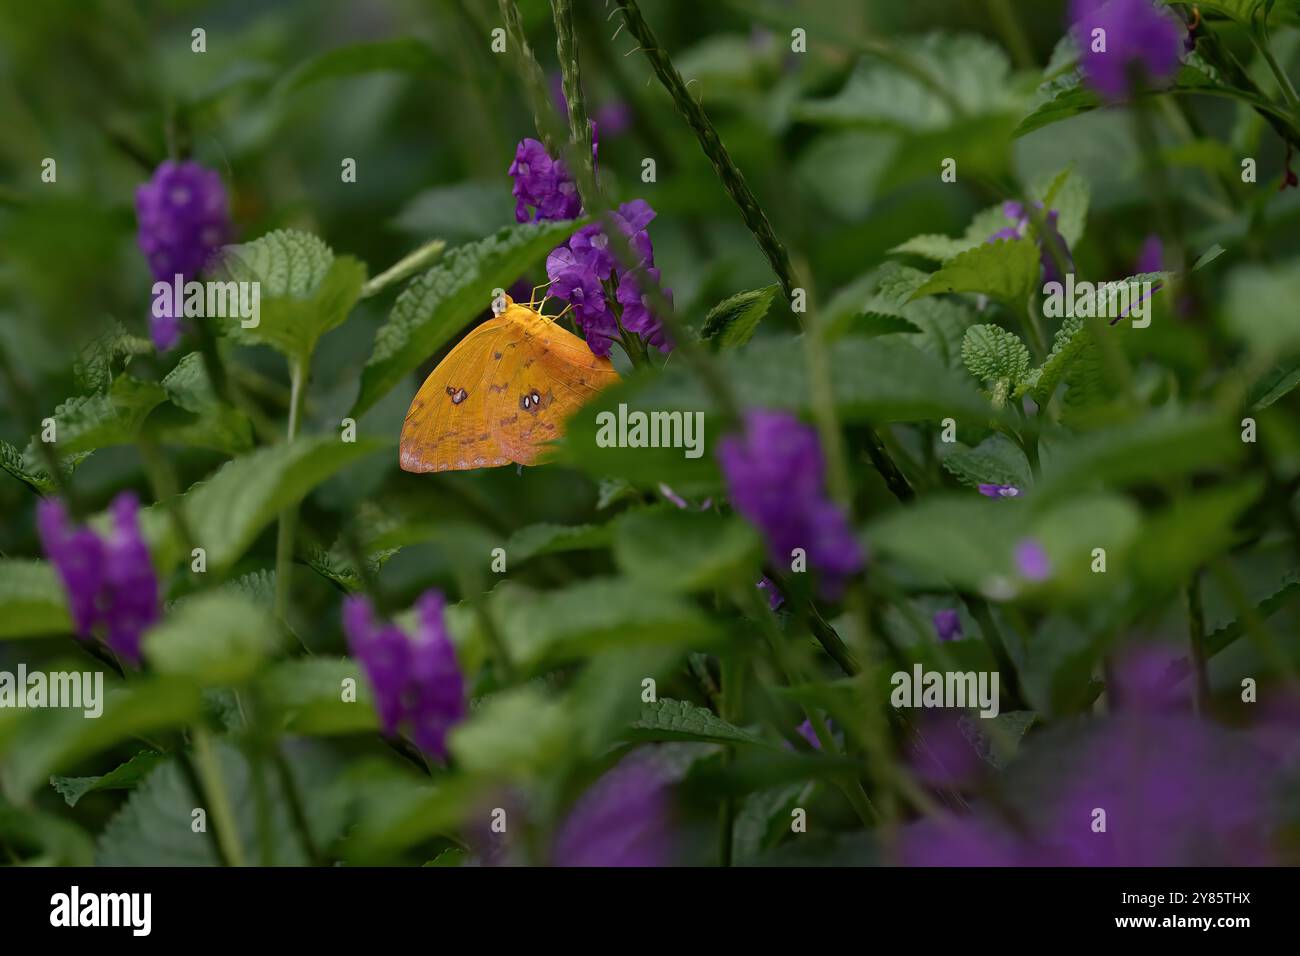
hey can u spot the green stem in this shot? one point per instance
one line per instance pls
(728, 173)
(297, 810)
(1284, 84)
(534, 80)
(208, 770)
(288, 517)
(566, 47)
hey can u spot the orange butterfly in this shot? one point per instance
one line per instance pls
(505, 390)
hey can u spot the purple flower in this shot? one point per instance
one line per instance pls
(110, 581)
(1151, 256)
(637, 317)
(614, 117)
(183, 218)
(999, 491)
(1031, 561)
(416, 679)
(940, 753)
(776, 476)
(624, 819)
(1052, 246)
(542, 183)
(585, 271)
(1121, 38)
(947, 624)
(774, 597)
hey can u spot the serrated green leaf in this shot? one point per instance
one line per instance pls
(153, 828)
(733, 321)
(1006, 270)
(15, 462)
(995, 461)
(972, 75)
(90, 422)
(32, 600)
(445, 299)
(305, 289)
(1070, 340)
(940, 248)
(93, 369)
(217, 637)
(992, 354)
(668, 719)
(679, 550)
(203, 420)
(124, 777)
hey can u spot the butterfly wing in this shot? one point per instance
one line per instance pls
(544, 375)
(446, 427)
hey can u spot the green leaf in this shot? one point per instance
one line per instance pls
(445, 299)
(995, 461)
(50, 740)
(994, 355)
(215, 638)
(971, 73)
(668, 719)
(1150, 449)
(764, 818)
(306, 696)
(14, 461)
(592, 615)
(515, 734)
(93, 369)
(733, 321)
(153, 828)
(229, 510)
(1191, 532)
(404, 55)
(89, 422)
(53, 840)
(1284, 591)
(679, 550)
(124, 777)
(203, 420)
(941, 248)
(305, 289)
(32, 600)
(1275, 384)
(1068, 193)
(1070, 341)
(1058, 99)
(538, 539)
(1006, 270)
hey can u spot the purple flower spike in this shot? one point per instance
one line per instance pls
(184, 221)
(1032, 561)
(999, 491)
(623, 820)
(542, 183)
(947, 624)
(416, 680)
(1051, 245)
(111, 584)
(1119, 37)
(776, 476)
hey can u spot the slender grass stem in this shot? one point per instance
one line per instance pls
(288, 517)
(208, 771)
